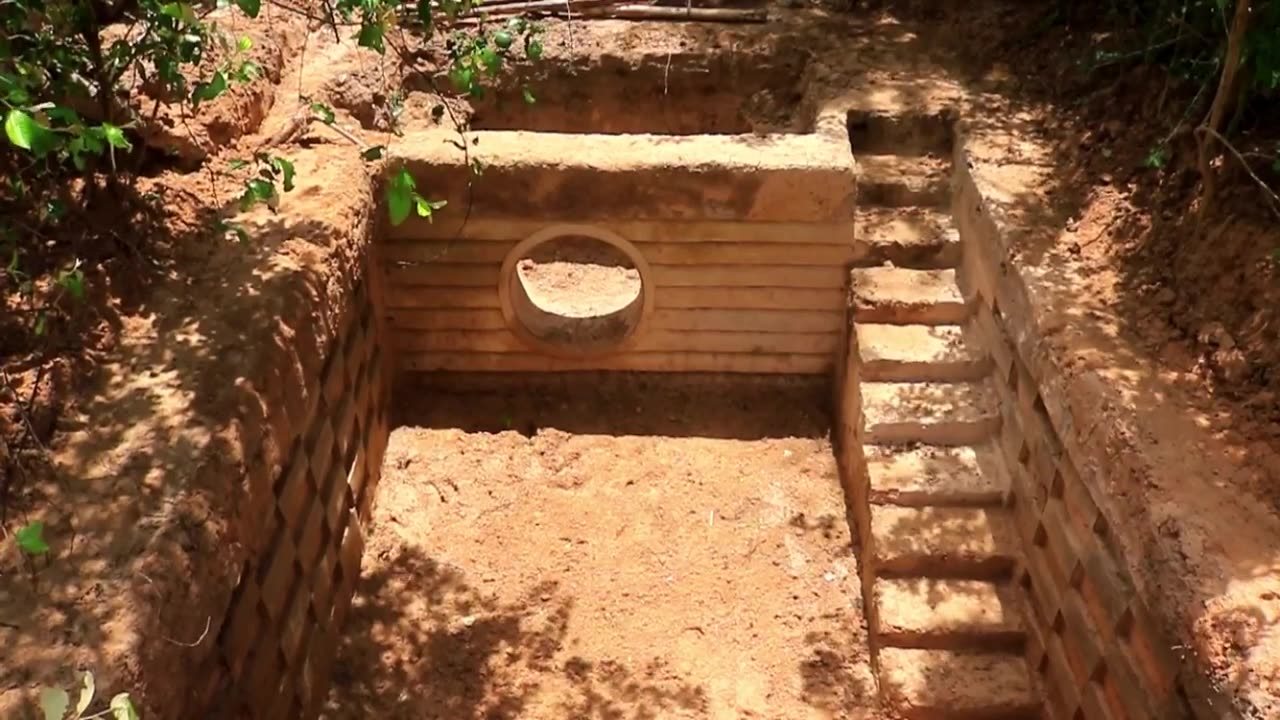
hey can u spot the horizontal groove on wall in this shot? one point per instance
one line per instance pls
(726, 297)
(626, 362)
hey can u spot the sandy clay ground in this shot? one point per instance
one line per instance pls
(608, 549)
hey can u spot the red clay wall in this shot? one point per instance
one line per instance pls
(1093, 640)
(278, 641)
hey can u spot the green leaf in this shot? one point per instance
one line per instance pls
(53, 210)
(17, 187)
(323, 112)
(87, 689)
(64, 115)
(285, 169)
(491, 60)
(39, 329)
(424, 13)
(73, 282)
(179, 11)
(115, 136)
(54, 703)
(31, 541)
(250, 7)
(247, 72)
(426, 208)
(209, 90)
(23, 131)
(529, 99)
(371, 37)
(255, 191)
(13, 89)
(463, 78)
(244, 44)
(237, 163)
(502, 39)
(76, 148)
(532, 48)
(94, 140)
(373, 153)
(400, 196)
(1156, 158)
(122, 708)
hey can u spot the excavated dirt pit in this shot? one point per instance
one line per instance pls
(607, 546)
(727, 91)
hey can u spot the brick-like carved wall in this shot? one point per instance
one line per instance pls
(278, 641)
(1099, 653)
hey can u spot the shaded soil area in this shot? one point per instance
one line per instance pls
(608, 548)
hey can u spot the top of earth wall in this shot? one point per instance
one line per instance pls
(767, 178)
(1201, 552)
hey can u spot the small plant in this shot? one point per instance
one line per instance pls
(1157, 158)
(403, 198)
(262, 187)
(55, 704)
(475, 56)
(31, 539)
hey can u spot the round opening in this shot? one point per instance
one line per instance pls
(574, 290)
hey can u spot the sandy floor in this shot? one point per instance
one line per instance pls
(620, 552)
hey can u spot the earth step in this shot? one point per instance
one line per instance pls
(904, 296)
(974, 543)
(917, 353)
(927, 412)
(930, 475)
(919, 238)
(948, 614)
(929, 684)
(892, 130)
(899, 181)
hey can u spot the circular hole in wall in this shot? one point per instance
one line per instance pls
(575, 291)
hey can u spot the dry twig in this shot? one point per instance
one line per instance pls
(1273, 200)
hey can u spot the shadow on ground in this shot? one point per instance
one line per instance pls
(422, 642)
